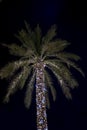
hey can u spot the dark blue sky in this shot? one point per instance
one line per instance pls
(70, 18)
(47, 11)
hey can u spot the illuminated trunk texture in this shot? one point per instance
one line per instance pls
(41, 98)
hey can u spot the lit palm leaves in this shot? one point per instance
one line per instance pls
(33, 49)
(29, 91)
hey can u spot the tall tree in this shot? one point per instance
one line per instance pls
(37, 55)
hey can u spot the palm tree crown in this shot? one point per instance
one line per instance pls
(34, 52)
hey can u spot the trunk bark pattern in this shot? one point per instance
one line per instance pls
(41, 98)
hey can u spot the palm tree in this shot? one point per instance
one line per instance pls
(37, 56)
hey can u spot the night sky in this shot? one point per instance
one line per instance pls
(70, 18)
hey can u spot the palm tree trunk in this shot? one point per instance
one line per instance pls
(41, 98)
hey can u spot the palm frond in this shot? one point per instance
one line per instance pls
(64, 72)
(51, 63)
(75, 66)
(71, 64)
(15, 49)
(28, 28)
(37, 39)
(24, 77)
(66, 91)
(26, 39)
(38, 35)
(9, 69)
(63, 84)
(50, 85)
(47, 100)
(50, 35)
(13, 86)
(28, 94)
(70, 56)
(54, 47)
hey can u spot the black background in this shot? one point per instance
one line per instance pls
(70, 18)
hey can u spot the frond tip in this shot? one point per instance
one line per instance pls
(50, 34)
(7, 70)
(66, 92)
(15, 49)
